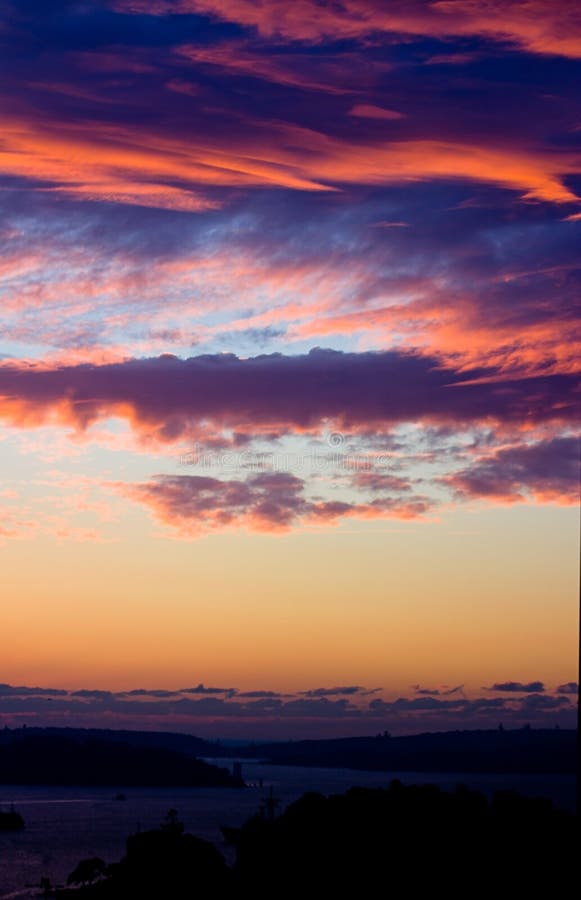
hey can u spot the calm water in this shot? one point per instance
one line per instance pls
(63, 825)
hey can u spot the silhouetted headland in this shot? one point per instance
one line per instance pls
(51, 759)
(169, 740)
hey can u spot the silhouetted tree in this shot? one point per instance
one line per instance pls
(87, 871)
(415, 839)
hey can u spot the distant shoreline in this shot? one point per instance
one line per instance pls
(523, 751)
(99, 757)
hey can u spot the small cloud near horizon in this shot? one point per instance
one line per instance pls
(517, 687)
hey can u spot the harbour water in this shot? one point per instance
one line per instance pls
(64, 825)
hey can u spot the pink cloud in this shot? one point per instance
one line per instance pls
(170, 398)
(270, 501)
(332, 75)
(537, 26)
(368, 111)
(464, 327)
(547, 471)
(130, 164)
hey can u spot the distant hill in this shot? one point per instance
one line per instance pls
(169, 740)
(522, 751)
(83, 759)
(515, 751)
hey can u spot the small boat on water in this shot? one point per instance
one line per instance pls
(10, 820)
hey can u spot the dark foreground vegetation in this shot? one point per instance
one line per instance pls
(58, 760)
(368, 842)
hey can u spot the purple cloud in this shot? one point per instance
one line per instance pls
(517, 687)
(346, 691)
(270, 501)
(167, 395)
(343, 710)
(202, 689)
(545, 470)
(437, 692)
(8, 690)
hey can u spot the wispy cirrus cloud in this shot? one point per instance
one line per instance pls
(540, 26)
(135, 165)
(369, 111)
(447, 286)
(329, 74)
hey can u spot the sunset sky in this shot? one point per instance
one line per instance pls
(289, 348)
